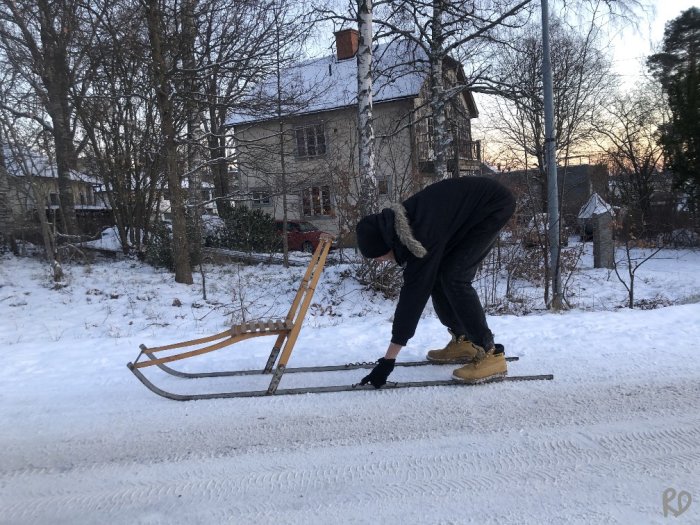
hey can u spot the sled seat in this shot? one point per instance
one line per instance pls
(287, 329)
(261, 327)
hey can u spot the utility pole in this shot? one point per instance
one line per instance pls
(551, 159)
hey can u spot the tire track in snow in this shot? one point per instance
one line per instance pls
(536, 460)
(274, 425)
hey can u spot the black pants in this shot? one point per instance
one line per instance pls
(454, 298)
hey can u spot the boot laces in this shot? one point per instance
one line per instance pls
(480, 355)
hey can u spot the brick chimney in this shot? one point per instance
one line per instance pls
(346, 43)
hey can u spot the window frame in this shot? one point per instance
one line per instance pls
(317, 201)
(260, 198)
(307, 137)
(383, 186)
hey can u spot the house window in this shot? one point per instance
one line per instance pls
(5, 212)
(53, 199)
(206, 195)
(316, 201)
(82, 199)
(260, 198)
(425, 139)
(430, 130)
(310, 141)
(383, 186)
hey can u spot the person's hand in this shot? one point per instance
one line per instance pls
(379, 374)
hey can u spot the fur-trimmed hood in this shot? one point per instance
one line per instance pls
(387, 230)
(403, 230)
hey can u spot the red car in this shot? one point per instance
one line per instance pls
(301, 235)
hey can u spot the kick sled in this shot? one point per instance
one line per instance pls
(286, 332)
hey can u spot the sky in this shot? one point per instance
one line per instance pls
(632, 45)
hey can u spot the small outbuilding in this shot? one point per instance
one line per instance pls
(596, 218)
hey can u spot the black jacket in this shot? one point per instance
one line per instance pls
(442, 217)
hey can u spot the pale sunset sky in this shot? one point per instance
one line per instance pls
(633, 44)
(630, 45)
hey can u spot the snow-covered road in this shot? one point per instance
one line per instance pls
(86, 443)
(83, 442)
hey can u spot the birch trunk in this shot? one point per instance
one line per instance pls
(368, 181)
(437, 99)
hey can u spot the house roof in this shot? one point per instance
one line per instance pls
(400, 68)
(36, 165)
(594, 207)
(27, 163)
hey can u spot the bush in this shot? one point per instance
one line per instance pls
(247, 230)
(159, 249)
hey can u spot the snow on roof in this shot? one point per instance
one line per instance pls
(594, 207)
(23, 163)
(27, 162)
(400, 69)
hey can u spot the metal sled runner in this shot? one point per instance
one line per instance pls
(286, 331)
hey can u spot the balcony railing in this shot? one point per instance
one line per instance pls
(469, 156)
(468, 150)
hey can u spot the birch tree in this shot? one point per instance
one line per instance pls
(368, 179)
(443, 28)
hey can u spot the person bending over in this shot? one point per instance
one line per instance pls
(439, 236)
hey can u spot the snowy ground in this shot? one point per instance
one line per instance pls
(82, 441)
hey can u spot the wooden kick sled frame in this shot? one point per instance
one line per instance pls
(287, 331)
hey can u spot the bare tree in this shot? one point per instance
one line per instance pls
(161, 19)
(24, 157)
(634, 254)
(582, 84)
(630, 135)
(444, 29)
(268, 152)
(288, 40)
(119, 119)
(40, 41)
(209, 52)
(235, 49)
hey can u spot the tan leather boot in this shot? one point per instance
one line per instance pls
(490, 367)
(458, 350)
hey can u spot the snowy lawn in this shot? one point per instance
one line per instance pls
(83, 442)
